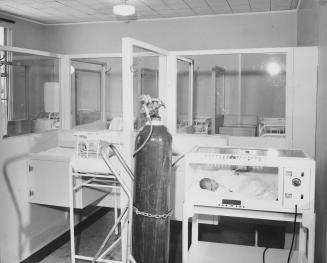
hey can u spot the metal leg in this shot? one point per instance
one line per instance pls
(311, 239)
(116, 209)
(307, 237)
(128, 194)
(195, 229)
(302, 240)
(185, 234)
(71, 214)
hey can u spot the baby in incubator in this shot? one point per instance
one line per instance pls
(209, 184)
(242, 183)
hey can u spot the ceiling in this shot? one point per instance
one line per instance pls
(75, 11)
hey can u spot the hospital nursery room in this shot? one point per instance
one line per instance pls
(163, 131)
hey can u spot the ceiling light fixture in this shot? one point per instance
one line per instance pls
(124, 9)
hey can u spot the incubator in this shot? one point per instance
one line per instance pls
(270, 180)
(266, 184)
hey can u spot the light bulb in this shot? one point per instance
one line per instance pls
(273, 68)
(72, 69)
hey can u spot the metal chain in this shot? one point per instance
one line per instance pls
(163, 216)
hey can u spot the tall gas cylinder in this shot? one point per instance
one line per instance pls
(152, 194)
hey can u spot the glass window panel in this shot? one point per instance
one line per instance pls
(30, 87)
(114, 93)
(88, 96)
(184, 116)
(213, 75)
(235, 94)
(86, 91)
(146, 80)
(19, 92)
(263, 82)
(87, 78)
(2, 36)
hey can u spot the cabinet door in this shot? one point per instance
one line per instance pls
(49, 185)
(48, 182)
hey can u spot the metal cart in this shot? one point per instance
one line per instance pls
(92, 167)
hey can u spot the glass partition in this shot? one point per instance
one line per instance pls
(145, 80)
(86, 91)
(263, 91)
(184, 96)
(234, 94)
(29, 93)
(96, 88)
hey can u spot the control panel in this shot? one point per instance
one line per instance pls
(296, 188)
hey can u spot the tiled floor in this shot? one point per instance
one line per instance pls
(87, 242)
(91, 238)
(229, 230)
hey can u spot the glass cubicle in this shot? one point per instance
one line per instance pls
(96, 92)
(29, 86)
(234, 94)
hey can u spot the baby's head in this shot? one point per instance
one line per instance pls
(209, 184)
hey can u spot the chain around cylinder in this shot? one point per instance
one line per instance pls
(163, 216)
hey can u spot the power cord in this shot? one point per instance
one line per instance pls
(293, 238)
(178, 159)
(292, 244)
(264, 254)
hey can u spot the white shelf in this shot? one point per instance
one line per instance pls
(208, 252)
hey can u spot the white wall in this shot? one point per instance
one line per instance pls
(312, 30)
(235, 31)
(27, 34)
(25, 227)
(308, 23)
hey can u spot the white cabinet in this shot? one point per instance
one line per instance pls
(48, 180)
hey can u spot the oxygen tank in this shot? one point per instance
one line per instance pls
(152, 191)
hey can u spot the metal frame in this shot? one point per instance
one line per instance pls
(30, 51)
(106, 181)
(128, 45)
